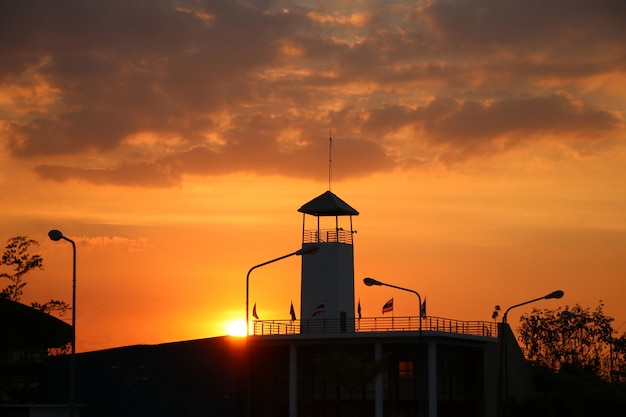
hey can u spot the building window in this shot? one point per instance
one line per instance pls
(406, 369)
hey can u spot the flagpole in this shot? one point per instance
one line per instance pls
(371, 281)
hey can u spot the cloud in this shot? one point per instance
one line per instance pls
(235, 86)
(456, 121)
(129, 244)
(540, 23)
(358, 158)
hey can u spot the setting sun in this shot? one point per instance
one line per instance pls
(237, 328)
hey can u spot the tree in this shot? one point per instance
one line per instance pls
(578, 365)
(17, 255)
(572, 338)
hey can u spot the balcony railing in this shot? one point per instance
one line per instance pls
(327, 235)
(376, 324)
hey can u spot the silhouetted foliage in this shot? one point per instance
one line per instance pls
(573, 338)
(22, 365)
(579, 366)
(17, 255)
(572, 392)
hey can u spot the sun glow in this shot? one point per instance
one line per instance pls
(237, 328)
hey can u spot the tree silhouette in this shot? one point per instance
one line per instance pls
(17, 255)
(573, 337)
(578, 364)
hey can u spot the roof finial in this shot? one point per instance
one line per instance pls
(330, 159)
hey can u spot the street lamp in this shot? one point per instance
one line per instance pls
(554, 294)
(503, 347)
(56, 235)
(371, 281)
(306, 250)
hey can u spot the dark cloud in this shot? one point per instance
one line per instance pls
(542, 23)
(73, 132)
(468, 127)
(358, 158)
(462, 74)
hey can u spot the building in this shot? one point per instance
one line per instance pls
(329, 362)
(332, 362)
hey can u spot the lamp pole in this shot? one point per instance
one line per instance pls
(371, 281)
(311, 249)
(305, 250)
(57, 235)
(378, 400)
(503, 347)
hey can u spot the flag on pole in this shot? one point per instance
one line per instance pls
(388, 306)
(423, 309)
(292, 312)
(359, 309)
(319, 310)
(254, 314)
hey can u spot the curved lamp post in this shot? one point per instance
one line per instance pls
(503, 347)
(371, 281)
(378, 400)
(554, 294)
(57, 235)
(307, 250)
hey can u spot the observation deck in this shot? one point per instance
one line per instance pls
(339, 235)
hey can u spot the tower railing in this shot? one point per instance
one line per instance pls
(327, 235)
(377, 324)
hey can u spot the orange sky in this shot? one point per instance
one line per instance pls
(483, 144)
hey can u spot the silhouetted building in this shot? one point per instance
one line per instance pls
(26, 337)
(335, 363)
(330, 362)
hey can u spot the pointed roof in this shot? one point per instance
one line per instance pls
(328, 204)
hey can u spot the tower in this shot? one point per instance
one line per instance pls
(327, 289)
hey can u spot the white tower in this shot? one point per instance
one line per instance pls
(327, 290)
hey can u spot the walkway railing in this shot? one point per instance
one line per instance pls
(375, 324)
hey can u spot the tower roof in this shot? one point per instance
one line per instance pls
(328, 204)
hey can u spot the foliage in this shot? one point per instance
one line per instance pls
(17, 255)
(575, 338)
(572, 392)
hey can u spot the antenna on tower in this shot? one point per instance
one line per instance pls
(330, 158)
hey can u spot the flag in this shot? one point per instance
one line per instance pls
(359, 309)
(319, 310)
(254, 314)
(388, 306)
(292, 312)
(423, 309)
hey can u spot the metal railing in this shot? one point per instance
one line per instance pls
(375, 324)
(327, 235)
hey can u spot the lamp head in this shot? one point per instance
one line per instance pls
(555, 294)
(371, 281)
(55, 235)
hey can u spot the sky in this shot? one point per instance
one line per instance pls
(482, 142)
